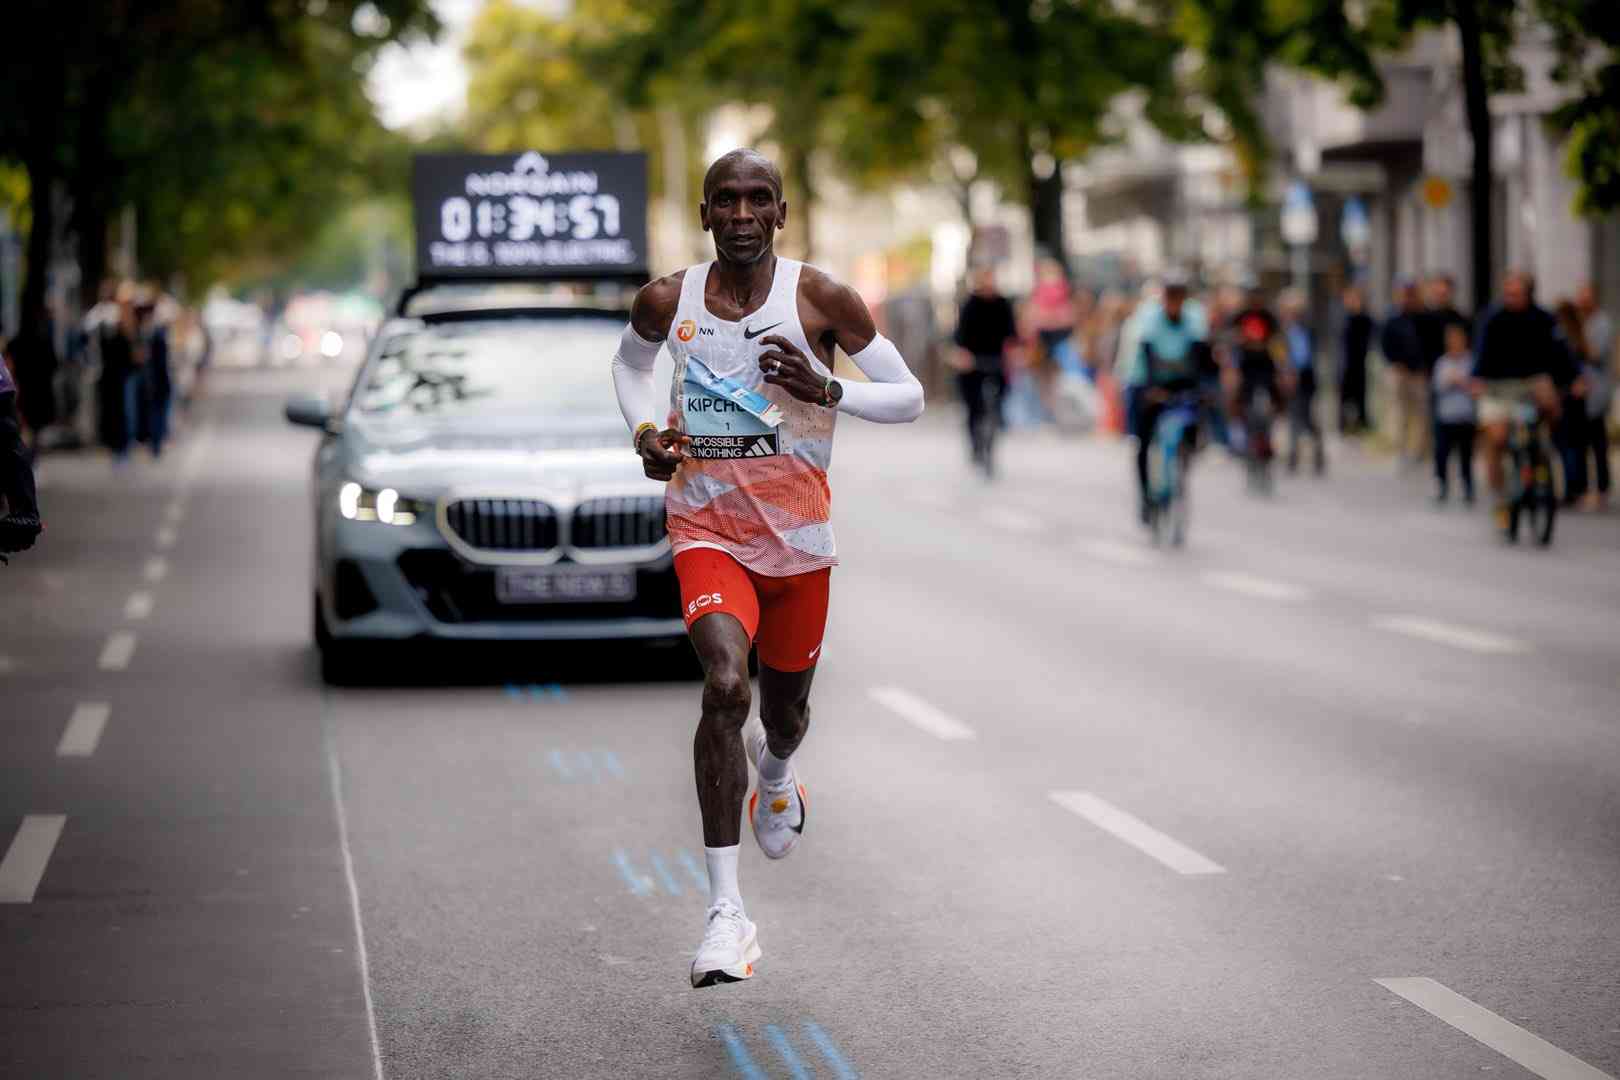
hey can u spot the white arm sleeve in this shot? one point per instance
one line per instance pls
(633, 378)
(894, 396)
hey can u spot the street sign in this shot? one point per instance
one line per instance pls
(1355, 229)
(530, 215)
(1298, 215)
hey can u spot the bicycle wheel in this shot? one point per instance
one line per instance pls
(1543, 497)
(1177, 510)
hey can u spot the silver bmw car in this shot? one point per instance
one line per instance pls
(478, 484)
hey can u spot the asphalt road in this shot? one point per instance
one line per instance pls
(1334, 792)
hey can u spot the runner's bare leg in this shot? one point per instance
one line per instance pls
(784, 708)
(717, 750)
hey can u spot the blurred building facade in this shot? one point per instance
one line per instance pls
(1406, 162)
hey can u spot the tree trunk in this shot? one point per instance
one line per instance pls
(41, 166)
(799, 163)
(1479, 129)
(1046, 210)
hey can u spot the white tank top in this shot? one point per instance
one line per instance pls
(754, 483)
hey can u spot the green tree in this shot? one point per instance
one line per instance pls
(222, 121)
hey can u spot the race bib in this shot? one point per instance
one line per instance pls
(724, 418)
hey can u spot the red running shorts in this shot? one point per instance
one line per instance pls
(785, 616)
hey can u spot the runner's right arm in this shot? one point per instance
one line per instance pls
(633, 381)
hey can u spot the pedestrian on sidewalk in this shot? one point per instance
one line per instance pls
(155, 376)
(19, 505)
(1355, 337)
(1402, 344)
(1300, 344)
(115, 389)
(33, 358)
(1571, 433)
(1603, 356)
(1455, 414)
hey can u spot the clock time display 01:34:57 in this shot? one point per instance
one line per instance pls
(523, 217)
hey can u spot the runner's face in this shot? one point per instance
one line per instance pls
(743, 212)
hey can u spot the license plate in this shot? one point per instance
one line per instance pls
(562, 585)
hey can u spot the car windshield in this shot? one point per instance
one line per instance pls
(495, 367)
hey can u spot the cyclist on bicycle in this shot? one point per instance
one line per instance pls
(1173, 354)
(19, 524)
(1517, 357)
(983, 328)
(1255, 332)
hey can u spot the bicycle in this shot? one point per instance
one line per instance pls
(1169, 456)
(1532, 482)
(1257, 448)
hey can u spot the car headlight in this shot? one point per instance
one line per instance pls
(386, 505)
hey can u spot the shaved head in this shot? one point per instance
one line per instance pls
(732, 161)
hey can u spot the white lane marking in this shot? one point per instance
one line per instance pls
(176, 510)
(84, 729)
(28, 856)
(334, 772)
(1444, 633)
(7, 665)
(1479, 1023)
(1121, 554)
(116, 654)
(1249, 585)
(1004, 517)
(138, 606)
(920, 714)
(165, 538)
(157, 568)
(1136, 832)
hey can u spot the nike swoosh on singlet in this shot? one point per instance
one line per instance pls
(752, 334)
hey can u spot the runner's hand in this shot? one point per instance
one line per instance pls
(785, 366)
(662, 452)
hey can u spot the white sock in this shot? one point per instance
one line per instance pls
(772, 769)
(722, 866)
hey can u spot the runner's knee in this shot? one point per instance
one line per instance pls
(726, 694)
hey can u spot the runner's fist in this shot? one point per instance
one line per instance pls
(785, 366)
(661, 452)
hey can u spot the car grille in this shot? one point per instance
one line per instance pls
(618, 523)
(504, 524)
(531, 525)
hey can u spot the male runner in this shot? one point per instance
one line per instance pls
(745, 453)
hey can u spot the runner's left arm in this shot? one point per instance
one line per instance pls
(894, 396)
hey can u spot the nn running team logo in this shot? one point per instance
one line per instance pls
(687, 330)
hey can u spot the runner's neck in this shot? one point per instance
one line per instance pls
(747, 285)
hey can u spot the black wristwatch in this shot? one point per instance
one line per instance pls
(832, 393)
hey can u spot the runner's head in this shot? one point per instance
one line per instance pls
(743, 205)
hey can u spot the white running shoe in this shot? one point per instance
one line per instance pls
(778, 816)
(730, 947)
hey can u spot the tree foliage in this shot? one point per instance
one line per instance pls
(232, 126)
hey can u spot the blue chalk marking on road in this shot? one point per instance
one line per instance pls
(829, 1050)
(739, 1053)
(665, 878)
(610, 761)
(560, 764)
(588, 763)
(513, 692)
(639, 885)
(700, 877)
(785, 1050)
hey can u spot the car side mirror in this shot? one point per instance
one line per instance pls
(309, 410)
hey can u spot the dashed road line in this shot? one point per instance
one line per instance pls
(1444, 633)
(1480, 1024)
(1136, 832)
(1118, 553)
(27, 857)
(921, 715)
(175, 511)
(118, 651)
(84, 728)
(166, 537)
(138, 606)
(157, 568)
(1250, 585)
